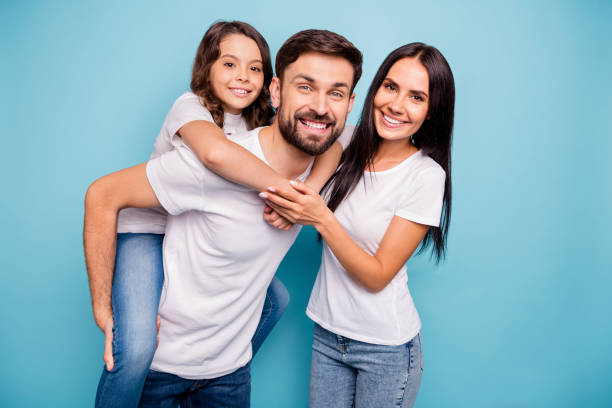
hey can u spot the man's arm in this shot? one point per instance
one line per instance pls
(105, 197)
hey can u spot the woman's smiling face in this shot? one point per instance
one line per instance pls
(402, 101)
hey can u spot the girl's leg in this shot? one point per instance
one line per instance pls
(332, 382)
(277, 299)
(137, 285)
(388, 376)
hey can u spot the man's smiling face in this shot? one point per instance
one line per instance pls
(313, 99)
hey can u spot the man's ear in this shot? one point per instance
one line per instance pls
(351, 101)
(275, 92)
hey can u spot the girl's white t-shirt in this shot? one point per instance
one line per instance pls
(413, 190)
(185, 109)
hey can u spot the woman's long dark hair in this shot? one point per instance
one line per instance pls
(434, 136)
(260, 112)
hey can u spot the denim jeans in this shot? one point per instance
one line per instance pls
(163, 390)
(350, 373)
(137, 285)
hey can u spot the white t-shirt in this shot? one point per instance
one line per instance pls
(412, 190)
(186, 108)
(219, 258)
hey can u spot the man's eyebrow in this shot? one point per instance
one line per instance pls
(304, 77)
(312, 80)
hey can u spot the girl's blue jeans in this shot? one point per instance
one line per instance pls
(137, 285)
(346, 373)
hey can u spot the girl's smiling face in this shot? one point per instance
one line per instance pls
(402, 101)
(237, 75)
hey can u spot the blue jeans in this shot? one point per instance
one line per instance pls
(163, 390)
(350, 373)
(137, 285)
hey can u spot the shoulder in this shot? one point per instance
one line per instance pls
(189, 100)
(427, 169)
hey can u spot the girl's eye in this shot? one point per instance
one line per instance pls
(228, 64)
(255, 69)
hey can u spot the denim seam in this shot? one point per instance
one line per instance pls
(266, 318)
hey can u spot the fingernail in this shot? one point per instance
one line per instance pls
(272, 189)
(293, 182)
(263, 195)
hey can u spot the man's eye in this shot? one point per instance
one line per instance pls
(304, 87)
(336, 94)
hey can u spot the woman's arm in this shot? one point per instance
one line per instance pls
(228, 159)
(324, 167)
(401, 239)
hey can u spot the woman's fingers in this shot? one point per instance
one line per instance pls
(274, 197)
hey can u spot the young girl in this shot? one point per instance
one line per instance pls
(230, 79)
(391, 193)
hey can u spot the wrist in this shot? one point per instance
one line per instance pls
(325, 222)
(101, 317)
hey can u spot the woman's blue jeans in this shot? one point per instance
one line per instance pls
(346, 373)
(137, 285)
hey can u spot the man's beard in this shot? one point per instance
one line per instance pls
(313, 147)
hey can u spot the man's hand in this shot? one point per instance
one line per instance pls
(108, 344)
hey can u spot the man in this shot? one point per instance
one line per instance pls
(219, 255)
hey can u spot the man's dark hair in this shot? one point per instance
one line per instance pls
(323, 42)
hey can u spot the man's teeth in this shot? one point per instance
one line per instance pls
(316, 125)
(390, 120)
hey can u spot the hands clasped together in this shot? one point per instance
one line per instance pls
(302, 205)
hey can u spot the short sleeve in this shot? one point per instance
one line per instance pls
(186, 109)
(177, 180)
(346, 136)
(422, 202)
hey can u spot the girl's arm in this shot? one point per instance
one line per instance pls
(324, 167)
(228, 159)
(374, 272)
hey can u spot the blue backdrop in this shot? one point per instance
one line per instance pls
(518, 316)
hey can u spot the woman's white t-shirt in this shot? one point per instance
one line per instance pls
(186, 108)
(413, 190)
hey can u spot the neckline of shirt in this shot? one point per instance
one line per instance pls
(398, 166)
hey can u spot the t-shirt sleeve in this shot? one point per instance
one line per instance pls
(186, 109)
(177, 180)
(422, 202)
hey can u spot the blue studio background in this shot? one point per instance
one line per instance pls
(518, 315)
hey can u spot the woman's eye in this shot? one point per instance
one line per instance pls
(390, 87)
(417, 98)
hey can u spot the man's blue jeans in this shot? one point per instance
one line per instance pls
(137, 286)
(346, 373)
(163, 390)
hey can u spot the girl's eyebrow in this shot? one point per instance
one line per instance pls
(413, 91)
(235, 57)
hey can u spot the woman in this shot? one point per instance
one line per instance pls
(391, 194)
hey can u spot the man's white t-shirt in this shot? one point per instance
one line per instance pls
(185, 109)
(413, 190)
(219, 258)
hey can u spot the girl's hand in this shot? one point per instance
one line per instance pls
(274, 219)
(302, 205)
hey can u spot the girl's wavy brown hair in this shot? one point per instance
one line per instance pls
(260, 112)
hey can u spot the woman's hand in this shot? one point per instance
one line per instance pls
(302, 205)
(271, 217)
